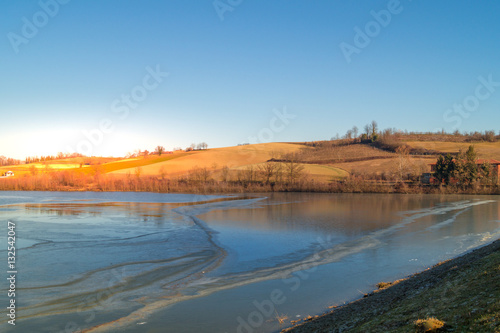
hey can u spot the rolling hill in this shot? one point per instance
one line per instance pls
(321, 164)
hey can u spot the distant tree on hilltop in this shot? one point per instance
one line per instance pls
(159, 150)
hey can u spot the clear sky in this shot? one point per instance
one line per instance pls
(239, 71)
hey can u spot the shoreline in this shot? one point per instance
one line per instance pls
(463, 292)
(310, 187)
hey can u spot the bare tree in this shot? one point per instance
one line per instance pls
(205, 174)
(403, 161)
(374, 127)
(278, 172)
(249, 174)
(198, 174)
(267, 171)
(138, 172)
(163, 172)
(33, 170)
(293, 169)
(368, 130)
(355, 132)
(159, 150)
(225, 173)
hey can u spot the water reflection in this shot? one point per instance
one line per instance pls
(149, 255)
(156, 213)
(349, 214)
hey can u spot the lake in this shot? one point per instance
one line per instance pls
(148, 262)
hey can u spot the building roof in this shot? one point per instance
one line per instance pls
(480, 161)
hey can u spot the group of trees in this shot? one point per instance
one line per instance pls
(488, 136)
(463, 169)
(59, 156)
(199, 146)
(372, 133)
(4, 161)
(159, 150)
(289, 172)
(268, 173)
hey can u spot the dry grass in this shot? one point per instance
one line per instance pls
(324, 172)
(430, 324)
(317, 172)
(131, 164)
(217, 158)
(386, 165)
(280, 318)
(385, 285)
(486, 150)
(335, 154)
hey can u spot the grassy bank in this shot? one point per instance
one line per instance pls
(202, 183)
(459, 295)
(195, 183)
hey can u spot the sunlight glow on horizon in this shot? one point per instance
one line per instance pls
(51, 142)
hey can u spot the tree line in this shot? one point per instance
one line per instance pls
(372, 133)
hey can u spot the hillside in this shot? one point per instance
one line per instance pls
(486, 150)
(238, 158)
(323, 161)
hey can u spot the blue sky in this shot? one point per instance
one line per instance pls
(234, 67)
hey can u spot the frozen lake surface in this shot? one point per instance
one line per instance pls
(147, 262)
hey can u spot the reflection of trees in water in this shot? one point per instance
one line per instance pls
(350, 214)
(62, 209)
(157, 213)
(346, 214)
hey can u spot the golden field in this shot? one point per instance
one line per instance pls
(215, 159)
(485, 150)
(387, 165)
